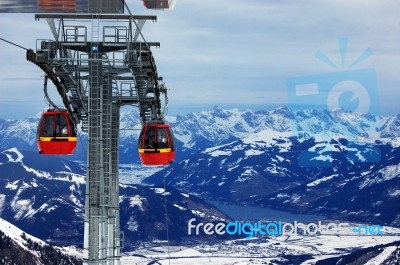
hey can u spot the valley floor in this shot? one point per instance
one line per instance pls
(304, 250)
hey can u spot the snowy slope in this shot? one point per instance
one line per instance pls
(39, 194)
(17, 235)
(18, 247)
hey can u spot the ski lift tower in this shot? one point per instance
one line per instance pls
(98, 63)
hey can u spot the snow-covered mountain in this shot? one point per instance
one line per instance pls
(19, 133)
(35, 188)
(335, 178)
(44, 196)
(310, 160)
(337, 164)
(17, 247)
(198, 131)
(212, 128)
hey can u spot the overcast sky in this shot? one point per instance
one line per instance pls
(235, 53)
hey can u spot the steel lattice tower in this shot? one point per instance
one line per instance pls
(98, 65)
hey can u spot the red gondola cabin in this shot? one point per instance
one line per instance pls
(159, 4)
(56, 133)
(156, 145)
(57, 5)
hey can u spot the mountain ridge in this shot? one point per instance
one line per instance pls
(47, 201)
(204, 129)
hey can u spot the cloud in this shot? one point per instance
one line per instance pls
(241, 51)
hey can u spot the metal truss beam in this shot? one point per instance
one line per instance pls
(97, 16)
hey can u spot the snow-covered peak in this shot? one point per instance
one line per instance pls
(18, 130)
(267, 136)
(219, 125)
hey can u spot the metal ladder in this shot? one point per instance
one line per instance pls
(95, 220)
